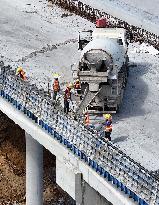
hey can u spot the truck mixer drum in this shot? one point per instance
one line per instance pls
(102, 70)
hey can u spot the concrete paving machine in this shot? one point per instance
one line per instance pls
(102, 69)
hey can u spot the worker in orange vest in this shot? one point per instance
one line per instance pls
(86, 119)
(108, 127)
(77, 86)
(21, 73)
(67, 97)
(56, 87)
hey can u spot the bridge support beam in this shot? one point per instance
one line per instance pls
(34, 171)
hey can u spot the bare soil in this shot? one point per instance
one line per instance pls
(12, 169)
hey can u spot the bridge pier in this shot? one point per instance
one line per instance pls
(34, 171)
(71, 180)
(89, 196)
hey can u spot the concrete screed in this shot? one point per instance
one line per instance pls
(27, 28)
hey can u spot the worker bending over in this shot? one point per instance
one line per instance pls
(21, 73)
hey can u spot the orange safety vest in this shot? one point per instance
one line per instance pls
(67, 94)
(86, 119)
(77, 85)
(56, 86)
(22, 75)
(108, 128)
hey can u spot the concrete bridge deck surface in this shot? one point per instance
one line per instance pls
(27, 26)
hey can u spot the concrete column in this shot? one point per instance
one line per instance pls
(91, 197)
(86, 195)
(34, 171)
(66, 177)
(70, 180)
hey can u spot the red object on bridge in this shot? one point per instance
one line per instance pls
(101, 23)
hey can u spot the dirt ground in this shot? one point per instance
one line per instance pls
(12, 169)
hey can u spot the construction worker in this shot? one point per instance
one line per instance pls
(77, 86)
(67, 97)
(56, 87)
(21, 73)
(108, 126)
(86, 119)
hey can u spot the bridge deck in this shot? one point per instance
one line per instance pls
(108, 162)
(62, 152)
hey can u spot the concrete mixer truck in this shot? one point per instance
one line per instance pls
(102, 69)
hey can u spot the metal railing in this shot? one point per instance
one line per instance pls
(106, 159)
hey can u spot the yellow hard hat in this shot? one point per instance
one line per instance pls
(107, 116)
(56, 75)
(19, 69)
(77, 80)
